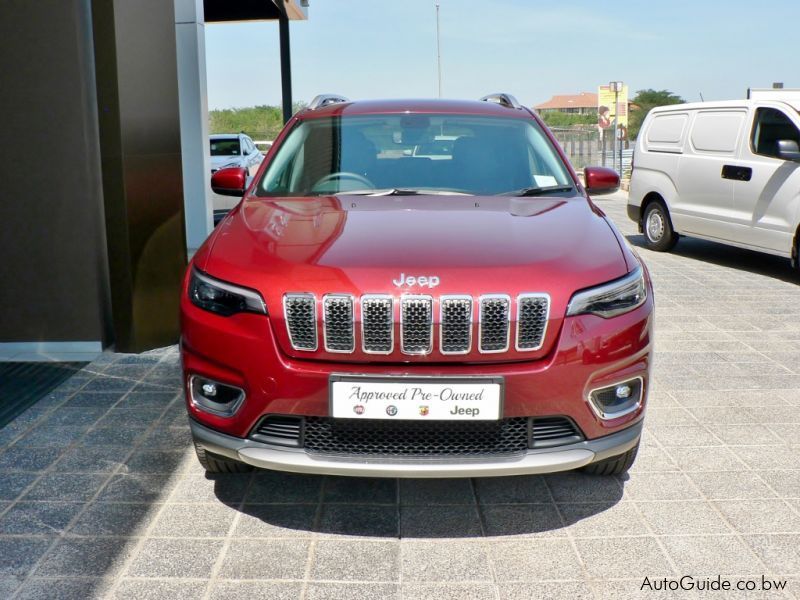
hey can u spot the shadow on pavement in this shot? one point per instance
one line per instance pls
(732, 257)
(421, 508)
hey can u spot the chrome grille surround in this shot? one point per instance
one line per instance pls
(416, 324)
(377, 324)
(455, 324)
(533, 314)
(338, 323)
(494, 323)
(457, 313)
(300, 312)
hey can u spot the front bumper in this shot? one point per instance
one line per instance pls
(561, 458)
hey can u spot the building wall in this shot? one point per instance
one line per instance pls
(92, 242)
(137, 92)
(53, 265)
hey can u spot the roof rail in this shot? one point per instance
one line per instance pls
(324, 100)
(502, 99)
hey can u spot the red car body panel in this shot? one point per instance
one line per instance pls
(358, 245)
(591, 352)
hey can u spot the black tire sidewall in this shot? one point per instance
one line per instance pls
(667, 240)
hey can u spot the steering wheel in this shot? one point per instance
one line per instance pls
(343, 176)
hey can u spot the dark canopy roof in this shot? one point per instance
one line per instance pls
(220, 11)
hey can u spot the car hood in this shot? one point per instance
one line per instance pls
(368, 245)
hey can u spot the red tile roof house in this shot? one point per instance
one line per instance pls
(584, 103)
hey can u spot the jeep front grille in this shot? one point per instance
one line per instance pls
(494, 323)
(416, 324)
(300, 311)
(377, 324)
(373, 317)
(532, 311)
(455, 333)
(338, 317)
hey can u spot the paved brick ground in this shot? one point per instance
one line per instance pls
(100, 494)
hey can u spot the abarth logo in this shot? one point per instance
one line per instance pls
(391, 410)
(429, 281)
(424, 410)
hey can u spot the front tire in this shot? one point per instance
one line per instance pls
(219, 464)
(616, 465)
(657, 228)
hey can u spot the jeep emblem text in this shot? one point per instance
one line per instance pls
(430, 281)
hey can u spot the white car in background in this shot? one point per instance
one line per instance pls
(234, 150)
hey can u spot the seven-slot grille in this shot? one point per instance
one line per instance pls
(494, 323)
(532, 310)
(338, 329)
(300, 311)
(416, 324)
(377, 314)
(377, 324)
(455, 331)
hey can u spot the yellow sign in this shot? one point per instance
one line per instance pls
(607, 107)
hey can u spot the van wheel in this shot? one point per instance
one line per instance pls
(219, 464)
(616, 465)
(657, 227)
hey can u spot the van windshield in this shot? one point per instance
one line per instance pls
(428, 153)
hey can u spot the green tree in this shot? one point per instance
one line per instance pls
(562, 119)
(259, 122)
(645, 100)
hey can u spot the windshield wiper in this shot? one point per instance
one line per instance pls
(538, 191)
(404, 192)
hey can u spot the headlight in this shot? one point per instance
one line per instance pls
(611, 299)
(223, 298)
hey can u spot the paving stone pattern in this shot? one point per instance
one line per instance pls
(101, 495)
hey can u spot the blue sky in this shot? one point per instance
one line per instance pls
(531, 48)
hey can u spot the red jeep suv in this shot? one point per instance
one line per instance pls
(416, 288)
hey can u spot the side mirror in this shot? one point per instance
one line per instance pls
(230, 182)
(788, 150)
(600, 180)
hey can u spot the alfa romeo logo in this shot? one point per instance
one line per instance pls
(391, 410)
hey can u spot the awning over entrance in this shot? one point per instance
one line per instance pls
(218, 11)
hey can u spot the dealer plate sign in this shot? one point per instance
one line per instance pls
(419, 399)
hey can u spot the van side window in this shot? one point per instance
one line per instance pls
(769, 126)
(717, 131)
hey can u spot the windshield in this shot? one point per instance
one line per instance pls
(430, 153)
(225, 147)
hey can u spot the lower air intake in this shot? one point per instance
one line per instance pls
(415, 438)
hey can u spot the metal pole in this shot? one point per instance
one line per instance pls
(286, 66)
(616, 125)
(603, 137)
(438, 54)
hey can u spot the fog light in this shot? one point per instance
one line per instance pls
(214, 397)
(617, 400)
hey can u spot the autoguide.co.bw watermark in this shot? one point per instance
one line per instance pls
(712, 584)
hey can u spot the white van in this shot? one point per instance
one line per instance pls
(722, 171)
